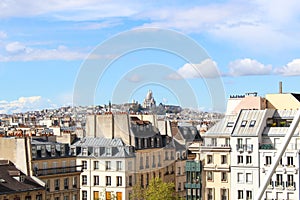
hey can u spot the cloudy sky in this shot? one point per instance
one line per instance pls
(43, 45)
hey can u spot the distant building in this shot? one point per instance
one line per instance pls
(14, 184)
(149, 101)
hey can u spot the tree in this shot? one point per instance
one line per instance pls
(157, 189)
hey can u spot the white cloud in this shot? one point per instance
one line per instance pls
(17, 51)
(291, 69)
(15, 47)
(206, 69)
(134, 78)
(3, 35)
(24, 104)
(247, 67)
(78, 10)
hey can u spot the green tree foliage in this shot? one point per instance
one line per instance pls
(156, 190)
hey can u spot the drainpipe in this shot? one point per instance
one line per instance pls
(281, 150)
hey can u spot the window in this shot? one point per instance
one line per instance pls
(119, 180)
(53, 151)
(210, 194)
(224, 176)
(108, 151)
(96, 180)
(33, 151)
(84, 195)
(96, 151)
(230, 124)
(84, 164)
(240, 159)
(107, 165)
(66, 197)
(240, 194)
(96, 195)
(28, 198)
(209, 159)
(268, 160)
(119, 196)
(214, 141)
(166, 155)
(243, 124)
(240, 143)
(96, 164)
(62, 151)
(108, 181)
(290, 180)
(223, 159)
(248, 159)
(43, 151)
(74, 197)
(84, 151)
(66, 183)
(147, 161)
(74, 182)
(130, 180)
(56, 184)
(129, 165)
(38, 197)
(240, 177)
(248, 177)
(158, 164)
(252, 123)
(248, 195)
(119, 165)
(108, 195)
(178, 170)
(153, 161)
(54, 167)
(179, 187)
(141, 163)
(209, 176)
(84, 180)
(279, 181)
(47, 185)
(290, 161)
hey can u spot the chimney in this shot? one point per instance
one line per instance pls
(280, 87)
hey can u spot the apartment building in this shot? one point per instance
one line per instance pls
(53, 163)
(48, 160)
(215, 153)
(16, 185)
(284, 183)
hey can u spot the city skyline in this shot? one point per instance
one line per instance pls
(43, 46)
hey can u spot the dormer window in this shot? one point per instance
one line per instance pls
(108, 151)
(84, 151)
(73, 151)
(53, 151)
(243, 124)
(43, 151)
(62, 150)
(252, 123)
(33, 151)
(96, 151)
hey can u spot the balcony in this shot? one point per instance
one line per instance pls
(279, 185)
(290, 185)
(192, 185)
(57, 170)
(216, 146)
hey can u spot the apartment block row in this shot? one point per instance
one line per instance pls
(238, 152)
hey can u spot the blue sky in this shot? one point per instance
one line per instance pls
(255, 44)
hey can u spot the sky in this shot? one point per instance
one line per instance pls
(44, 46)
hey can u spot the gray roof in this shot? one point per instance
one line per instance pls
(99, 142)
(246, 117)
(224, 127)
(118, 147)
